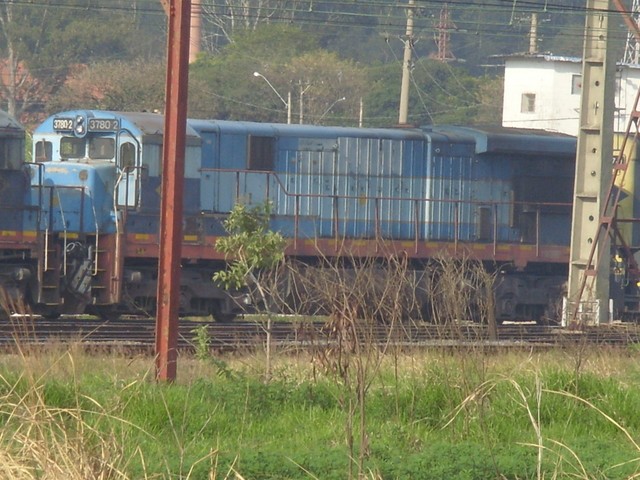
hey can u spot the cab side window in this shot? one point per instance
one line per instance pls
(43, 151)
(127, 156)
(11, 153)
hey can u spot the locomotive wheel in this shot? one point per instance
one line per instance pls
(50, 315)
(220, 317)
(104, 313)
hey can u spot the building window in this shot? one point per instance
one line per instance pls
(528, 103)
(576, 84)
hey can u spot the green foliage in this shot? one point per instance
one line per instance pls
(293, 427)
(57, 42)
(250, 245)
(202, 341)
(119, 86)
(291, 41)
(223, 86)
(382, 100)
(440, 93)
(50, 41)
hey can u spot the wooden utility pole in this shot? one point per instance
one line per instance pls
(173, 155)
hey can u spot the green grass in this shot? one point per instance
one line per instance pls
(429, 416)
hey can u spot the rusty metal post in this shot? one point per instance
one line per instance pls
(173, 156)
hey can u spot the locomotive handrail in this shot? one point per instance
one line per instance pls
(284, 189)
(64, 225)
(97, 250)
(46, 249)
(40, 175)
(418, 204)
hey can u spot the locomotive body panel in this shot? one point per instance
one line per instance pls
(500, 196)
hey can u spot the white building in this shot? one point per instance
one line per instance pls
(542, 91)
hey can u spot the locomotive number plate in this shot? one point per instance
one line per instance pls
(103, 124)
(63, 123)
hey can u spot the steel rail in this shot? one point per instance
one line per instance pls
(138, 334)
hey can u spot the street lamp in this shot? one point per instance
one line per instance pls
(287, 103)
(342, 99)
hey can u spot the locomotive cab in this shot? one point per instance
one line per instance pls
(97, 180)
(77, 174)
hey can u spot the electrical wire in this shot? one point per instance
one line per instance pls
(340, 17)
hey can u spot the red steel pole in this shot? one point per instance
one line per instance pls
(173, 156)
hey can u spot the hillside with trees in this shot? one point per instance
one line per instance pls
(340, 62)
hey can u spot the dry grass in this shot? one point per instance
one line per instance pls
(43, 442)
(38, 441)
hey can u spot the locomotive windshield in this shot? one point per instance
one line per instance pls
(71, 147)
(99, 148)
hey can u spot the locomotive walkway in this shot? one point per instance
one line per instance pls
(139, 334)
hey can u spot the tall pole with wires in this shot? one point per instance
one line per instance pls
(406, 66)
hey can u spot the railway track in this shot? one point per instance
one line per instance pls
(139, 334)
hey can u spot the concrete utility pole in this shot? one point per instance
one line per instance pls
(533, 34)
(195, 34)
(406, 66)
(173, 155)
(589, 256)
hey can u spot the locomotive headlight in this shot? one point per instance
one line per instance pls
(80, 126)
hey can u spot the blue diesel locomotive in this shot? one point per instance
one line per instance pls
(16, 241)
(502, 196)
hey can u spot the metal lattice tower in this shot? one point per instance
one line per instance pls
(632, 47)
(443, 27)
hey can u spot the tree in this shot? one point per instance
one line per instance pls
(134, 86)
(226, 88)
(230, 17)
(326, 87)
(290, 59)
(440, 93)
(490, 92)
(20, 90)
(382, 101)
(42, 44)
(254, 253)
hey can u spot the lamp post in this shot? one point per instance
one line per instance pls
(342, 99)
(287, 103)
